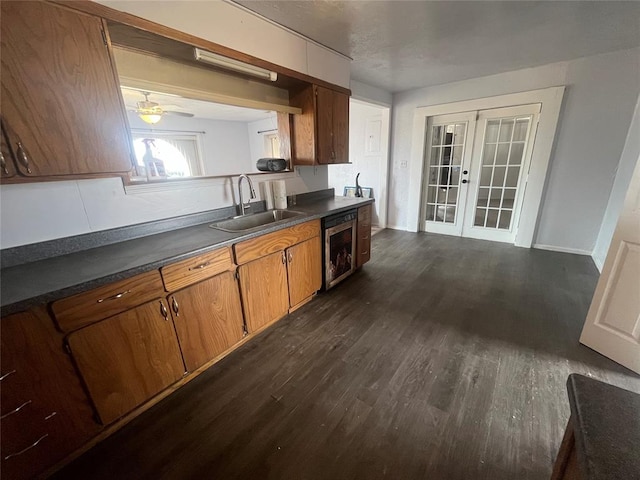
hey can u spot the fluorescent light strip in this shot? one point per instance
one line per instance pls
(235, 65)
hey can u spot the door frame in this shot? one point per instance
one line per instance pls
(551, 100)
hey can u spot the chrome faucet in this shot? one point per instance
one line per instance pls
(252, 194)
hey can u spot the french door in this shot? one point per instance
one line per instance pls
(477, 164)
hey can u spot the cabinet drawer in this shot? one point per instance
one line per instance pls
(32, 443)
(193, 270)
(364, 250)
(276, 241)
(364, 215)
(88, 307)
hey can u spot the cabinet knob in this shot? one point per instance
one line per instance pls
(15, 410)
(290, 257)
(22, 158)
(284, 258)
(34, 444)
(175, 306)
(163, 311)
(465, 181)
(7, 374)
(3, 164)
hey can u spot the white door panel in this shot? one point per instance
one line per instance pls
(447, 157)
(612, 326)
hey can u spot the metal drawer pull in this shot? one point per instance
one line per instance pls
(290, 257)
(114, 297)
(7, 374)
(175, 306)
(16, 410)
(163, 311)
(51, 415)
(365, 252)
(3, 164)
(34, 444)
(22, 157)
(202, 265)
(284, 258)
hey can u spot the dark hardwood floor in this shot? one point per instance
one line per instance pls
(443, 358)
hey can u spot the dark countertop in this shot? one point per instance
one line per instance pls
(606, 424)
(30, 284)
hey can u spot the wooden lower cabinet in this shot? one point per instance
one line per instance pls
(265, 293)
(46, 413)
(304, 268)
(208, 319)
(363, 238)
(128, 358)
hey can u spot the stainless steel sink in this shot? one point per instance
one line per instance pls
(254, 221)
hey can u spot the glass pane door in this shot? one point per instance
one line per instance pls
(502, 156)
(444, 171)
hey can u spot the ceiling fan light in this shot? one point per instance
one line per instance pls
(150, 118)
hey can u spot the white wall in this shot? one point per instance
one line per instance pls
(625, 169)
(371, 94)
(235, 27)
(225, 144)
(599, 102)
(35, 212)
(367, 163)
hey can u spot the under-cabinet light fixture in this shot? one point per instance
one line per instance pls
(235, 65)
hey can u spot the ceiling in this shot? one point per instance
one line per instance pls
(401, 45)
(199, 108)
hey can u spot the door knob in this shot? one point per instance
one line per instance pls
(465, 181)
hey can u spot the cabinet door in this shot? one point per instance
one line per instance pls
(265, 296)
(304, 266)
(60, 99)
(208, 318)
(324, 126)
(46, 414)
(340, 128)
(128, 358)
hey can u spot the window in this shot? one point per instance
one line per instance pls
(167, 155)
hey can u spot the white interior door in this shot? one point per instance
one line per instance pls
(499, 167)
(447, 158)
(612, 326)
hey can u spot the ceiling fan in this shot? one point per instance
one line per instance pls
(152, 112)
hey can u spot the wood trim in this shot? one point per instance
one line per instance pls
(567, 448)
(84, 308)
(111, 14)
(17, 179)
(192, 270)
(275, 241)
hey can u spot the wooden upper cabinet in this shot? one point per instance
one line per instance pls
(208, 319)
(61, 102)
(304, 268)
(320, 134)
(128, 358)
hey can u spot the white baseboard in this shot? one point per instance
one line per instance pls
(553, 248)
(599, 262)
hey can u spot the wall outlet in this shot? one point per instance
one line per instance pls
(403, 164)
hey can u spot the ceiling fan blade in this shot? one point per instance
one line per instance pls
(181, 114)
